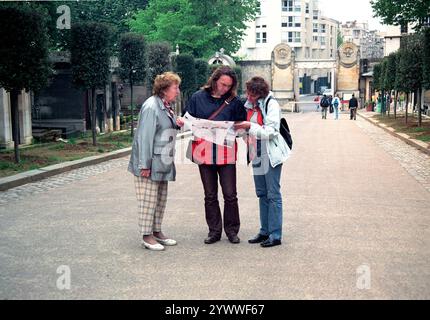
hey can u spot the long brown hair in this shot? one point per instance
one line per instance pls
(210, 86)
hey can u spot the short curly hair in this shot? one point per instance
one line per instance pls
(163, 81)
(258, 86)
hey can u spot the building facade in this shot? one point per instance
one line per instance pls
(370, 42)
(297, 23)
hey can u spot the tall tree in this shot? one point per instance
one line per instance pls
(114, 13)
(199, 27)
(390, 77)
(133, 61)
(185, 68)
(426, 58)
(202, 73)
(23, 57)
(410, 66)
(401, 12)
(158, 60)
(90, 51)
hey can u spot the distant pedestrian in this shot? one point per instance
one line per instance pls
(336, 103)
(317, 101)
(353, 105)
(325, 104)
(152, 156)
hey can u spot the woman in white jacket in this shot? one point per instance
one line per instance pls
(267, 150)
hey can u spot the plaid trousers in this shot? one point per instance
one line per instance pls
(152, 198)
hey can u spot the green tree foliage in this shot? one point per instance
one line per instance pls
(390, 72)
(90, 51)
(158, 60)
(426, 58)
(132, 57)
(115, 13)
(133, 63)
(23, 57)
(400, 12)
(377, 76)
(411, 62)
(185, 68)
(199, 27)
(238, 71)
(202, 73)
(382, 79)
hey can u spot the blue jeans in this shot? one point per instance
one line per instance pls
(268, 189)
(336, 112)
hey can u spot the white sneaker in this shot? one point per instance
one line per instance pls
(166, 242)
(153, 247)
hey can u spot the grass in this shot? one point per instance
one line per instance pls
(411, 128)
(40, 155)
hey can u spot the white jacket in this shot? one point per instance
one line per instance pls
(277, 148)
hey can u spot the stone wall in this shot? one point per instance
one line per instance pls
(255, 68)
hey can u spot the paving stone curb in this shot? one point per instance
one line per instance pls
(45, 172)
(420, 145)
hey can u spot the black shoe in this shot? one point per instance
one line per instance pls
(258, 238)
(210, 240)
(234, 239)
(270, 243)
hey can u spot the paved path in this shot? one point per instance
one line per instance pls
(356, 226)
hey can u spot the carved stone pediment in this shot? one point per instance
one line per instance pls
(282, 56)
(348, 54)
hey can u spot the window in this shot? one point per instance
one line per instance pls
(258, 37)
(259, 7)
(315, 28)
(294, 37)
(323, 41)
(284, 22)
(287, 5)
(264, 38)
(307, 7)
(315, 14)
(356, 34)
(315, 38)
(284, 36)
(291, 22)
(323, 28)
(297, 6)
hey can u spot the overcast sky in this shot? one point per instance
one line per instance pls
(350, 10)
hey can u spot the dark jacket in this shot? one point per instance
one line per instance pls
(202, 105)
(353, 103)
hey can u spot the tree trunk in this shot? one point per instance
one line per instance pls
(94, 115)
(395, 104)
(132, 107)
(389, 103)
(105, 111)
(419, 100)
(406, 107)
(15, 122)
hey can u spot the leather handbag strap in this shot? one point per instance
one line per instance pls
(221, 108)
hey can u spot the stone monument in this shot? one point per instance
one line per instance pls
(283, 85)
(348, 70)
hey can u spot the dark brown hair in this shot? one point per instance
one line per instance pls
(258, 86)
(210, 86)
